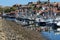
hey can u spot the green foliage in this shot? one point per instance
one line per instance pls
(7, 10)
(12, 9)
(1, 9)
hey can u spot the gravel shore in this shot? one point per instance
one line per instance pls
(12, 31)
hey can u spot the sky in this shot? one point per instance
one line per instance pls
(12, 2)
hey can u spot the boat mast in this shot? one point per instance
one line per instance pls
(49, 8)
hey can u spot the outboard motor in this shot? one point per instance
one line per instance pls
(42, 23)
(55, 26)
(20, 19)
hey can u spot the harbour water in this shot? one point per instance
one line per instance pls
(51, 35)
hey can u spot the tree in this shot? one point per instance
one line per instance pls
(1, 9)
(12, 9)
(9, 9)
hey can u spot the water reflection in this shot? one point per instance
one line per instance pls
(51, 35)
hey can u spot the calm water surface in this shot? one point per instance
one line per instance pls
(51, 35)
